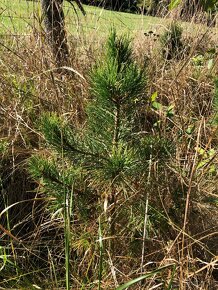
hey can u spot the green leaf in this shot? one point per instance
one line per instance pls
(211, 152)
(212, 169)
(157, 106)
(173, 4)
(198, 60)
(201, 164)
(190, 129)
(154, 97)
(136, 280)
(170, 111)
(201, 151)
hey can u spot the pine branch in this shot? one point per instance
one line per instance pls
(62, 137)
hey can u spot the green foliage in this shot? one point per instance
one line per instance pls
(171, 41)
(156, 148)
(3, 147)
(110, 149)
(173, 4)
(119, 80)
(109, 155)
(55, 178)
(206, 4)
(198, 60)
(103, 149)
(209, 5)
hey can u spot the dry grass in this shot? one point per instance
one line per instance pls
(182, 217)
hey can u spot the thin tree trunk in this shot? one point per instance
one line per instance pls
(54, 26)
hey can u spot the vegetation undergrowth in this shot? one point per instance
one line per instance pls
(123, 169)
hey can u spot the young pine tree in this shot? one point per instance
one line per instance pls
(109, 156)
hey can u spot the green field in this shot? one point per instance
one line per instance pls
(20, 16)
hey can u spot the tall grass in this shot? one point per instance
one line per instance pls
(179, 199)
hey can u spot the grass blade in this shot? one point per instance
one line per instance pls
(136, 280)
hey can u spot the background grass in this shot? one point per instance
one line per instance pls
(19, 16)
